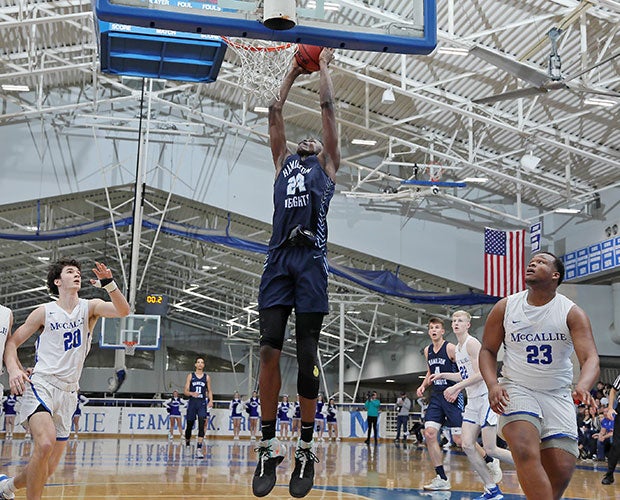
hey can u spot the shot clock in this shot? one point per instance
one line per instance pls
(156, 304)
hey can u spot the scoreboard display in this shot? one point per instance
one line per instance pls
(156, 304)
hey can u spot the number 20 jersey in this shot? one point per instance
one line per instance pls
(538, 343)
(64, 343)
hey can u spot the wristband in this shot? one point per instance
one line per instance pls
(108, 284)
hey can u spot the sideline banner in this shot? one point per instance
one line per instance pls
(155, 421)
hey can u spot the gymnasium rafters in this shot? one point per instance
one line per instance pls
(52, 48)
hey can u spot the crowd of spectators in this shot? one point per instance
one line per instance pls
(595, 429)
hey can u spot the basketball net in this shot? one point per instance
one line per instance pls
(130, 347)
(434, 172)
(263, 66)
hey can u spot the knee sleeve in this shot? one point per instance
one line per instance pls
(307, 329)
(272, 323)
(201, 427)
(189, 425)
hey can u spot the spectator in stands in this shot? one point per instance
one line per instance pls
(332, 420)
(173, 407)
(612, 414)
(372, 405)
(236, 413)
(603, 438)
(403, 406)
(81, 401)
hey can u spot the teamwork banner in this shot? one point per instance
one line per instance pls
(155, 421)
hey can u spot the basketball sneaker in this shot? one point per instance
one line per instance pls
(199, 453)
(270, 455)
(608, 478)
(438, 484)
(491, 494)
(5, 491)
(495, 470)
(302, 478)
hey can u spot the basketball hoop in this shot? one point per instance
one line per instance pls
(130, 347)
(434, 171)
(263, 66)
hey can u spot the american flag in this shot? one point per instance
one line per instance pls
(504, 262)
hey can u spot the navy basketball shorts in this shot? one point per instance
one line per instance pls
(441, 412)
(295, 277)
(196, 408)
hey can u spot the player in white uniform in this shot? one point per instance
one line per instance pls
(539, 329)
(6, 325)
(50, 394)
(477, 416)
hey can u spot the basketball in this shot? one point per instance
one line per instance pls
(307, 56)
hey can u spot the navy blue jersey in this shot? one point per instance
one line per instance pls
(283, 411)
(332, 411)
(199, 385)
(319, 411)
(9, 404)
(236, 408)
(175, 405)
(440, 362)
(253, 404)
(301, 195)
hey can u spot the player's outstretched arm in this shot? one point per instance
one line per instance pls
(118, 307)
(492, 339)
(17, 375)
(277, 133)
(585, 349)
(331, 153)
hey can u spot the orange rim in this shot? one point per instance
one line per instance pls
(251, 48)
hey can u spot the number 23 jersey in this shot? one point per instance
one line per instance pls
(538, 343)
(64, 343)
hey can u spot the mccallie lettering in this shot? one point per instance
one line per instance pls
(537, 337)
(66, 325)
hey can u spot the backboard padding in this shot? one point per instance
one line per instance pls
(355, 25)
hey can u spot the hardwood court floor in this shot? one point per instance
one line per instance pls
(138, 468)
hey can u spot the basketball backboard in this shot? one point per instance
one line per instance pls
(408, 28)
(141, 328)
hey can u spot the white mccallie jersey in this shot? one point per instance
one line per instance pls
(5, 317)
(64, 343)
(466, 369)
(538, 343)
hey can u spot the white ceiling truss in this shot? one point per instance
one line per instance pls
(435, 120)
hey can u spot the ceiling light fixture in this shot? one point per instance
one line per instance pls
(364, 142)
(381, 341)
(529, 162)
(15, 88)
(261, 109)
(476, 180)
(390, 380)
(453, 51)
(388, 96)
(597, 101)
(567, 210)
(326, 5)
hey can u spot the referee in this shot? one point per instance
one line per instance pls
(612, 414)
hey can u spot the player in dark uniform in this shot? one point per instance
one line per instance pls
(295, 276)
(440, 356)
(198, 389)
